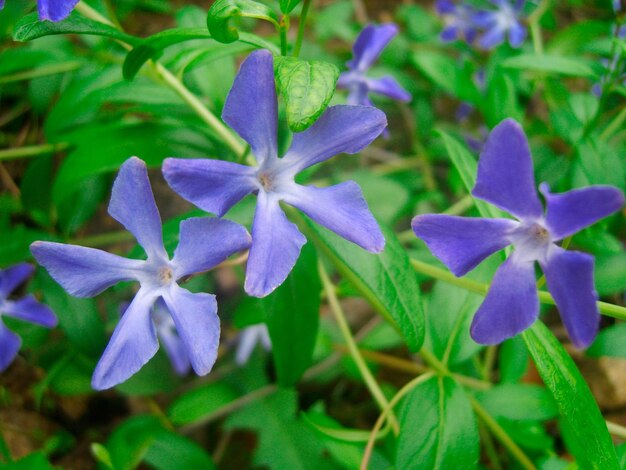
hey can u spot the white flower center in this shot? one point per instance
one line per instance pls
(532, 241)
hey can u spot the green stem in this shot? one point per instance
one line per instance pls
(610, 310)
(340, 318)
(31, 151)
(502, 435)
(103, 239)
(614, 126)
(616, 430)
(301, 27)
(283, 28)
(42, 71)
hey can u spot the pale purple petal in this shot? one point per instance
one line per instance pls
(505, 172)
(1, 4)
(212, 185)
(133, 343)
(492, 37)
(55, 10)
(276, 245)
(248, 339)
(517, 35)
(13, 276)
(445, 7)
(347, 129)
(461, 243)
(569, 276)
(370, 43)
(511, 305)
(250, 107)
(206, 242)
(358, 95)
(30, 310)
(82, 271)
(449, 33)
(9, 346)
(197, 324)
(389, 86)
(569, 212)
(132, 204)
(342, 209)
(167, 335)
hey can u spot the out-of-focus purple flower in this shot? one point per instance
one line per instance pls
(168, 336)
(610, 76)
(459, 20)
(505, 179)
(216, 185)
(367, 48)
(27, 309)
(500, 23)
(85, 272)
(248, 339)
(476, 144)
(53, 10)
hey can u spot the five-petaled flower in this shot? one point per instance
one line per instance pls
(85, 272)
(249, 337)
(504, 21)
(505, 179)
(216, 185)
(367, 48)
(53, 10)
(27, 309)
(459, 21)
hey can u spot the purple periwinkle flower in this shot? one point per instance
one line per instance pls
(53, 10)
(459, 20)
(216, 185)
(85, 272)
(367, 48)
(505, 179)
(504, 21)
(248, 339)
(27, 309)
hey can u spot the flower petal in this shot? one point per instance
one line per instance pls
(517, 34)
(30, 310)
(13, 276)
(505, 172)
(492, 37)
(511, 305)
(370, 43)
(569, 212)
(206, 242)
(133, 343)
(55, 10)
(9, 346)
(168, 337)
(347, 129)
(389, 86)
(461, 243)
(449, 33)
(248, 339)
(212, 185)
(198, 326)
(569, 275)
(251, 108)
(276, 245)
(82, 271)
(132, 204)
(342, 209)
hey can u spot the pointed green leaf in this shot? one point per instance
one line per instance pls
(223, 11)
(307, 87)
(286, 6)
(556, 64)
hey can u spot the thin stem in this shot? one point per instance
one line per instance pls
(605, 308)
(340, 318)
(104, 239)
(301, 27)
(42, 71)
(283, 28)
(490, 448)
(31, 151)
(387, 410)
(615, 125)
(616, 429)
(502, 435)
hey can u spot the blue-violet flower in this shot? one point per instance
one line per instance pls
(367, 48)
(53, 10)
(459, 20)
(505, 20)
(27, 309)
(248, 339)
(216, 185)
(505, 179)
(85, 272)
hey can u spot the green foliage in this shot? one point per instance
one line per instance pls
(307, 87)
(222, 12)
(287, 5)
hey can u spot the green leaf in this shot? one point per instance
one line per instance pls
(223, 11)
(532, 402)
(153, 46)
(286, 6)
(573, 398)
(610, 342)
(445, 73)
(34, 461)
(200, 402)
(437, 428)
(307, 87)
(386, 280)
(501, 102)
(292, 316)
(466, 165)
(556, 64)
(29, 28)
